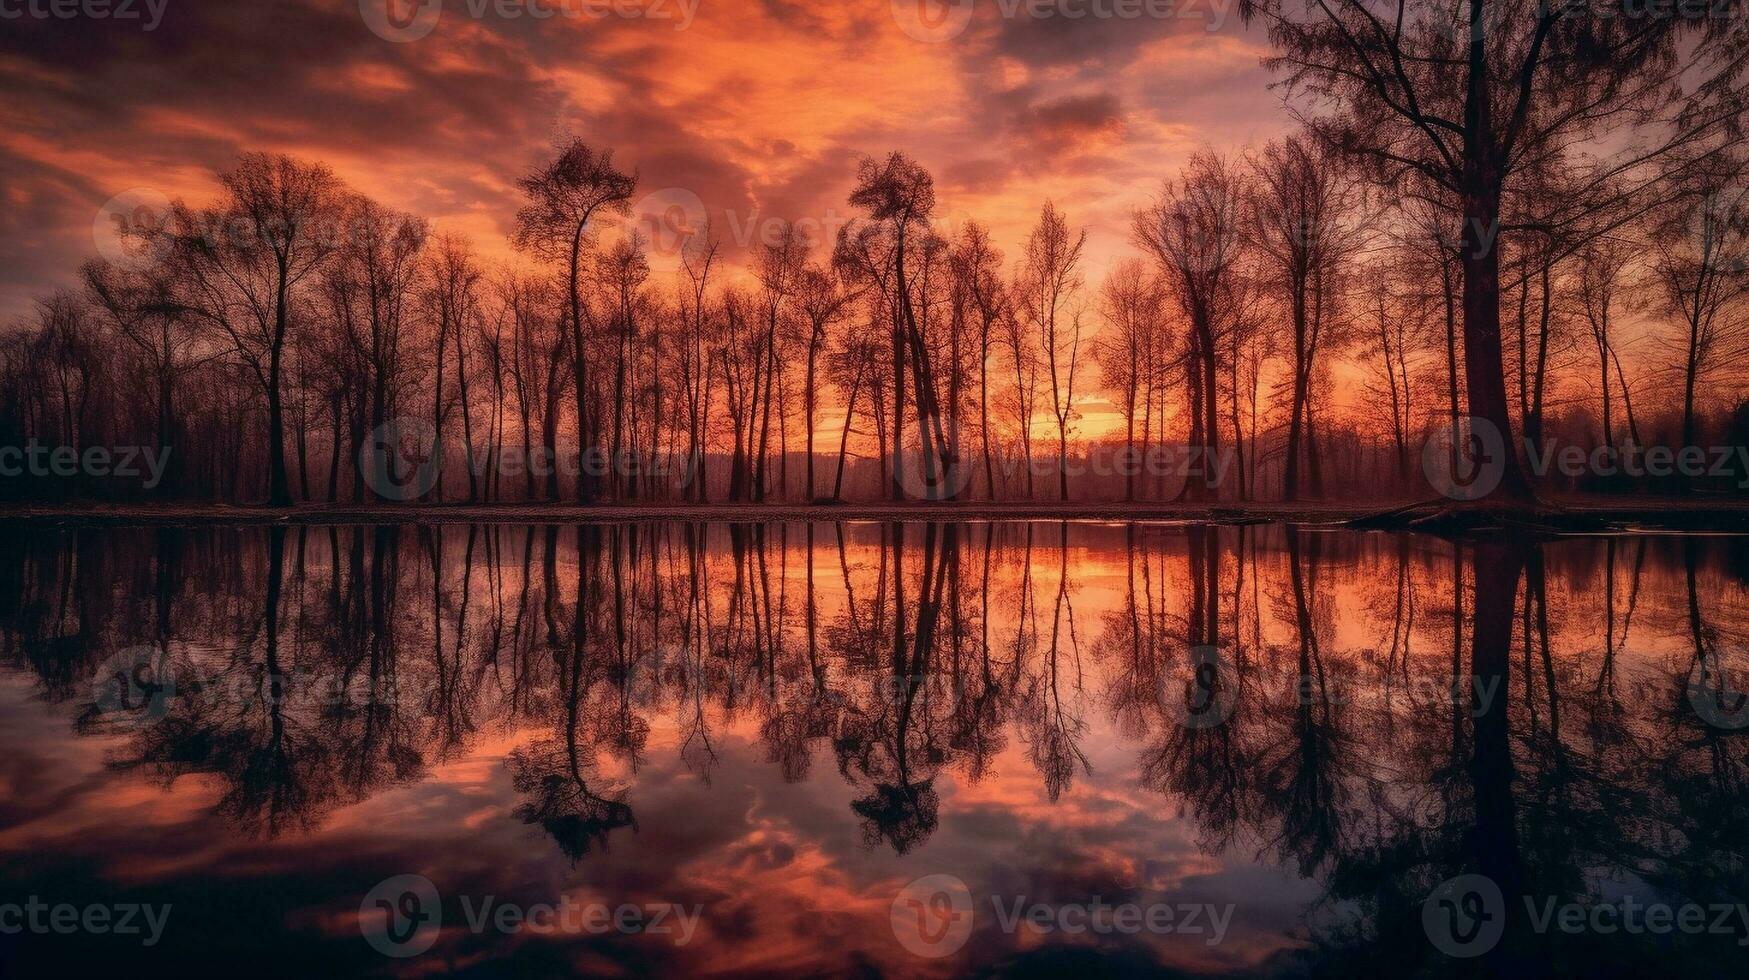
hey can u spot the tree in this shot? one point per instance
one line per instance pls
(1701, 262)
(1473, 95)
(852, 365)
(863, 255)
(1023, 357)
(537, 348)
(823, 301)
(742, 357)
(242, 263)
(373, 284)
(778, 264)
(564, 197)
(623, 271)
(452, 294)
(1299, 200)
(1393, 327)
(977, 268)
(142, 307)
(1602, 266)
(899, 196)
(1133, 303)
(1048, 282)
(1194, 233)
(696, 372)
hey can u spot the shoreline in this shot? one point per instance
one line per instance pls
(1676, 514)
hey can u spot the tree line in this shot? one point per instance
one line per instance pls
(1536, 219)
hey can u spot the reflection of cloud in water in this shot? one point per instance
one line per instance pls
(755, 770)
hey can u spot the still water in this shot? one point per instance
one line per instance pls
(867, 748)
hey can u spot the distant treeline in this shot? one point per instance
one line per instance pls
(1307, 316)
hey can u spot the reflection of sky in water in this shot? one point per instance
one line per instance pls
(787, 880)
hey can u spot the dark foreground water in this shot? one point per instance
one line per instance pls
(870, 749)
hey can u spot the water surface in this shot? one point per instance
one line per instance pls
(775, 730)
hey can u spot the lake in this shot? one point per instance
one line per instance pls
(869, 748)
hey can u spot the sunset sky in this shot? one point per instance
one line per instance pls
(757, 108)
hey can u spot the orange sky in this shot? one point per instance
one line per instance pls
(758, 109)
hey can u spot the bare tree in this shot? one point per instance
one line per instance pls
(823, 302)
(1702, 266)
(623, 271)
(373, 287)
(1044, 292)
(1299, 202)
(243, 262)
(900, 196)
(1133, 303)
(1393, 325)
(778, 263)
(1472, 95)
(1194, 232)
(452, 295)
(1602, 266)
(696, 372)
(142, 307)
(564, 197)
(977, 266)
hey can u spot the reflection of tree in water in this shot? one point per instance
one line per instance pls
(977, 732)
(1209, 767)
(890, 742)
(809, 712)
(276, 768)
(553, 774)
(1053, 728)
(554, 779)
(918, 653)
(1297, 770)
(1383, 791)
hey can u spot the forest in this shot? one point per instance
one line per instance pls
(1540, 223)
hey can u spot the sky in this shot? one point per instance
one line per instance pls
(744, 111)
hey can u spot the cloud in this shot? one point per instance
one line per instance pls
(760, 109)
(1074, 122)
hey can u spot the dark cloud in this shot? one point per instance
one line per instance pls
(1069, 118)
(1042, 34)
